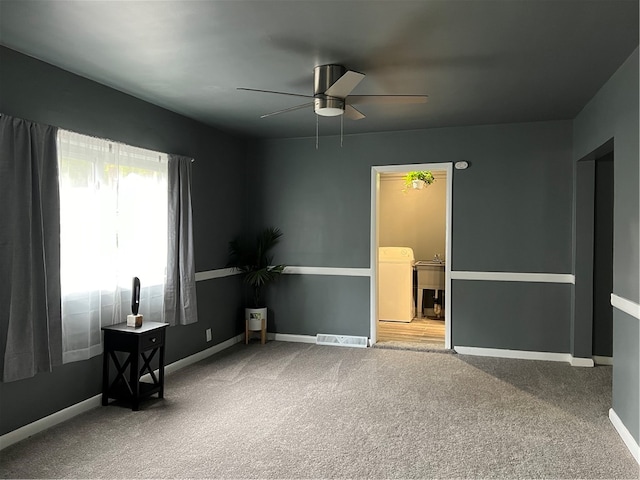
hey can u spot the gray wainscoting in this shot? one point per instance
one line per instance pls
(626, 394)
(511, 315)
(311, 304)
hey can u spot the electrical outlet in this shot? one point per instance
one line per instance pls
(208, 334)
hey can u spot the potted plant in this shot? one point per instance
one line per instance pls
(254, 260)
(418, 179)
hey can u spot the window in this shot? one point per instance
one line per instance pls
(113, 226)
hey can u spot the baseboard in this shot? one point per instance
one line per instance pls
(524, 355)
(49, 421)
(196, 357)
(96, 401)
(581, 362)
(289, 337)
(626, 436)
(600, 360)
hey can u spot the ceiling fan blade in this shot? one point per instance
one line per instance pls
(271, 91)
(291, 109)
(352, 113)
(343, 86)
(386, 99)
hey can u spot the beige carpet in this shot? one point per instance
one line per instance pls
(290, 410)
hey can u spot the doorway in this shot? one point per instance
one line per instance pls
(422, 324)
(592, 329)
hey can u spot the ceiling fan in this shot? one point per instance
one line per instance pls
(332, 85)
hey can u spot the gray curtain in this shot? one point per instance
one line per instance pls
(180, 286)
(30, 326)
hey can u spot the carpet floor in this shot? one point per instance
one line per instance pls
(292, 410)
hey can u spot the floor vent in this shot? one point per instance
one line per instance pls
(341, 340)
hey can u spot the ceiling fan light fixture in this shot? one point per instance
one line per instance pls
(329, 112)
(328, 106)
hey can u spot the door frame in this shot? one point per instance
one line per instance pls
(373, 262)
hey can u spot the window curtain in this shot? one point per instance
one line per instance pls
(180, 288)
(30, 327)
(113, 228)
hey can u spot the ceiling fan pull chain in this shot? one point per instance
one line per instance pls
(341, 129)
(317, 122)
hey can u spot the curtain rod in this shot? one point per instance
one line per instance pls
(99, 138)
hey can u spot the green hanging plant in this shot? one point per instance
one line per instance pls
(413, 179)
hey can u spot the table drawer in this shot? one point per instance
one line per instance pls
(152, 339)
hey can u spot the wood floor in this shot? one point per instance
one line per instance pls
(420, 330)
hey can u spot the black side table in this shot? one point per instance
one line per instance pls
(140, 343)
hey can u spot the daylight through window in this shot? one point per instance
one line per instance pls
(113, 215)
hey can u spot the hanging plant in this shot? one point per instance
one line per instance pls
(418, 180)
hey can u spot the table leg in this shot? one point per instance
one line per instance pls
(134, 376)
(161, 373)
(105, 377)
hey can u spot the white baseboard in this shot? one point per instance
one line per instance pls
(288, 337)
(49, 421)
(600, 360)
(95, 401)
(196, 357)
(581, 362)
(524, 355)
(626, 436)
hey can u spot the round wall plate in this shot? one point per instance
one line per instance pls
(461, 165)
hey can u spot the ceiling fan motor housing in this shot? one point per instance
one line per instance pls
(323, 77)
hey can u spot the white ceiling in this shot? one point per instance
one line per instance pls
(480, 61)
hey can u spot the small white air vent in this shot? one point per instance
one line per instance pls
(341, 340)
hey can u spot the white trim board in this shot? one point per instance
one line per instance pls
(49, 421)
(201, 355)
(288, 337)
(515, 277)
(65, 414)
(625, 305)
(626, 436)
(219, 273)
(525, 355)
(455, 275)
(600, 360)
(345, 272)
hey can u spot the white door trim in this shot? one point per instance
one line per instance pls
(373, 262)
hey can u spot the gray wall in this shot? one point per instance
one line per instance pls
(512, 212)
(613, 113)
(36, 91)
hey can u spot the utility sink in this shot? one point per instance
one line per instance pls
(428, 263)
(430, 274)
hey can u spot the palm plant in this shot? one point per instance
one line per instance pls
(254, 260)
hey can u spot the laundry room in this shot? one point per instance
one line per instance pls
(412, 245)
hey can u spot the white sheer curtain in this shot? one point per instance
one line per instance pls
(113, 216)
